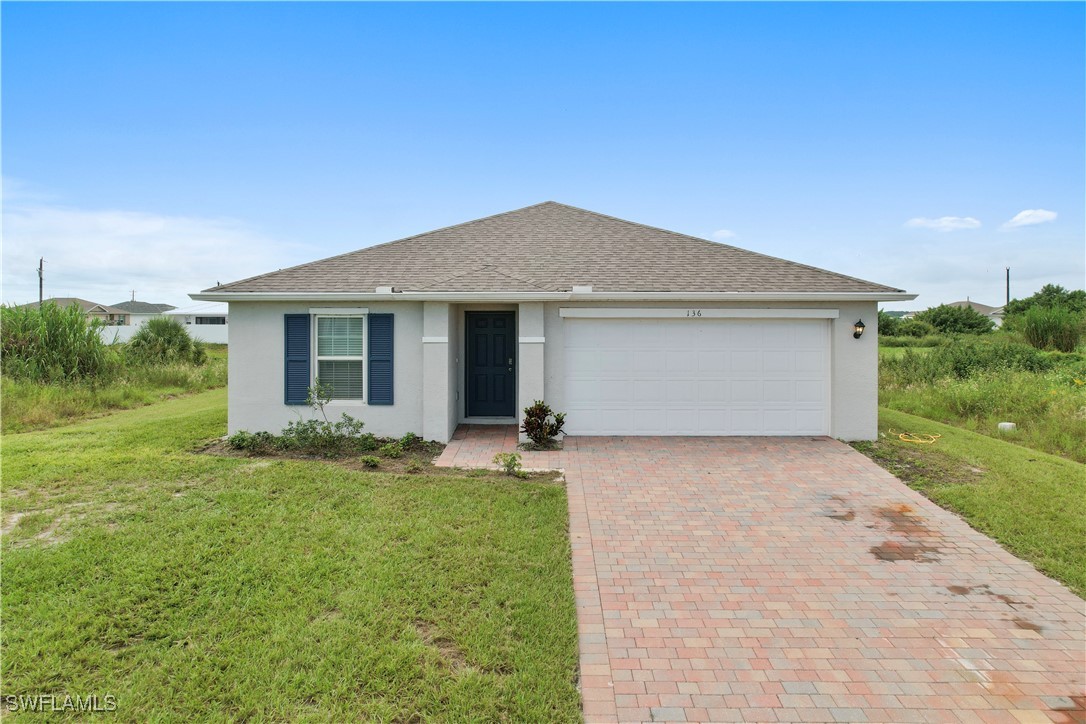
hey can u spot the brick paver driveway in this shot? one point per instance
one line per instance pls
(725, 579)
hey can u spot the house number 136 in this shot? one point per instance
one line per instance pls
(693, 312)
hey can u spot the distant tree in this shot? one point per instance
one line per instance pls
(956, 320)
(889, 325)
(1051, 295)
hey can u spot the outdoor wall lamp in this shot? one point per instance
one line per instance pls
(858, 329)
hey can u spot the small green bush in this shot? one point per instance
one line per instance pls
(370, 461)
(541, 424)
(510, 464)
(392, 450)
(162, 340)
(1055, 328)
(321, 437)
(414, 466)
(54, 344)
(251, 442)
(956, 320)
(410, 441)
(916, 328)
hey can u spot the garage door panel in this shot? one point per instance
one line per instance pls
(682, 392)
(779, 362)
(810, 391)
(681, 421)
(745, 362)
(697, 377)
(649, 390)
(746, 421)
(714, 392)
(811, 362)
(745, 391)
(778, 391)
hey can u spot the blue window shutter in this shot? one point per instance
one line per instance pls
(296, 349)
(380, 359)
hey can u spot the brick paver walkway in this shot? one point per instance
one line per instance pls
(760, 579)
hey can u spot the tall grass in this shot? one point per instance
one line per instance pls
(54, 344)
(1056, 328)
(27, 405)
(56, 368)
(980, 385)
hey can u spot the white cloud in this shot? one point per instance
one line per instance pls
(723, 234)
(944, 223)
(1029, 217)
(102, 255)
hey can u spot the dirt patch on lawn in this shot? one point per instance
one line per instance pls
(919, 466)
(417, 460)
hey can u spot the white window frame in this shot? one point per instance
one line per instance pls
(316, 314)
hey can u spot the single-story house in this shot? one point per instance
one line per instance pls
(203, 313)
(993, 313)
(111, 316)
(627, 328)
(139, 312)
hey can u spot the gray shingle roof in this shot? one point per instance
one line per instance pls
(551, 247)
(136, 307)
(83, 304)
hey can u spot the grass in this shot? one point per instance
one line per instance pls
(240, 588)
(1048, 406)
(1031, 502)
(896, 352)
(27, 405)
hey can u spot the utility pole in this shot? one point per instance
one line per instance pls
(1008, 285)
(41, 280)
(133, 295)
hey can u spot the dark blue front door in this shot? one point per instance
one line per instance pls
(491, 364)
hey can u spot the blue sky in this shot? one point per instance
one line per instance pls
(164, 147)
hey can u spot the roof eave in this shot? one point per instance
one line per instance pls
(601, 296)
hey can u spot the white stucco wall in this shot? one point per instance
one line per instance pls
(255, 391)
(429, 378)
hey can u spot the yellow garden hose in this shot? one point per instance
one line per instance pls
(922, 439)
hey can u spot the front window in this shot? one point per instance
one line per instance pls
(341, 356)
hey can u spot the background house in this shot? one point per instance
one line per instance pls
(112, 316)
(140, 312)
(993, 313)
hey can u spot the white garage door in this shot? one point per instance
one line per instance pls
(697, 376)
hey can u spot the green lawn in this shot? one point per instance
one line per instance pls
(1031, 502)
(188, 585)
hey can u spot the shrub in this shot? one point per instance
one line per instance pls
(410, 440)
(163, 340)
(541, 424)
(54, 344)
(888, 326)
(392, 450)
(414, 466)
(916, 328)
(956, 320)
(961, 361)
(321, 437)
(510, 464)
(932, 340)
(1055, 328)
(252, 442)
(367, 442)
(370, 461)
